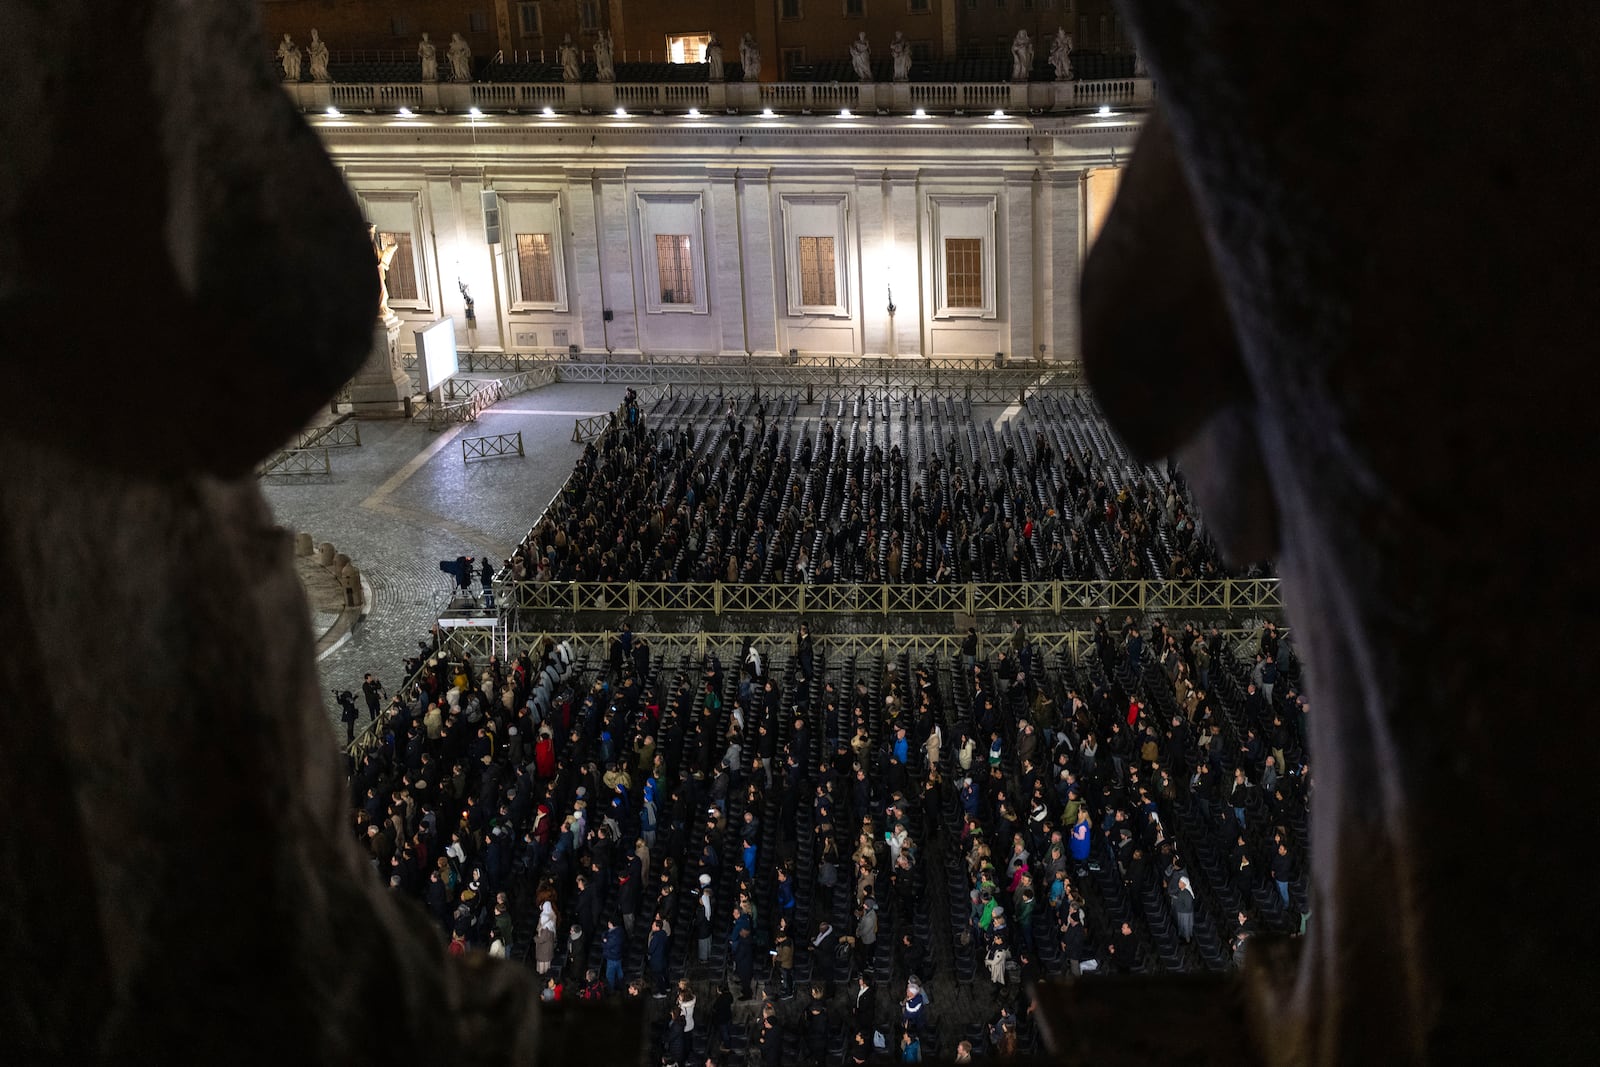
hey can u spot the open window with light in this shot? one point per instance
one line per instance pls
(687, 47)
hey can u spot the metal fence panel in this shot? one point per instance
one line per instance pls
(500, 444)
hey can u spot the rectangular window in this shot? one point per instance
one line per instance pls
(963, 272)
(529, 21)
(402, 277)
(854, 9)
(1027, 5)
(917, 7)
(687, 47)
(536, 272)
(589, 15)
(921, 51)
(792, 58)
(816, 272)
(477, 22)
(399, 26)
(675, 268)
(790, 9)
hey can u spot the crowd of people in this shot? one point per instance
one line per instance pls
(868, 845)
(745, 490)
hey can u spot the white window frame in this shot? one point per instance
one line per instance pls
(514, 213)
(400, 211)
(654, 222)
(963, 215)
(839, 203)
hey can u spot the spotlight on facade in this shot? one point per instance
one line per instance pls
(844, 112)
(767, 113)
(475, 113)
(919, 114)
(333, 112)
(694, 112)
(998, 114)
(407, 113)
(1105, 111)
(622, 112)
(549, 112)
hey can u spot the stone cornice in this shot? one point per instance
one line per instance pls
(512, 128)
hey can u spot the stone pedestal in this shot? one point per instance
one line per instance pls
(381, 389)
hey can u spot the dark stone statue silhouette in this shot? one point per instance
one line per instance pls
(1338, 284)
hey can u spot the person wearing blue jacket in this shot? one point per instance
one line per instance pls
(658, 952)
(612, 948)
(1079, 843)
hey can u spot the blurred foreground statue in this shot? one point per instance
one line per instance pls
(1338, 283)
(177, 876)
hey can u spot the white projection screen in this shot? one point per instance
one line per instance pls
(436, 354)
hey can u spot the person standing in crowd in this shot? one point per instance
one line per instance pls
(372, 689)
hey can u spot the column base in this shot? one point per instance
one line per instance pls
(381, 389)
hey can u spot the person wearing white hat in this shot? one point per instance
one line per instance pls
(702, 920)
(1183, 908)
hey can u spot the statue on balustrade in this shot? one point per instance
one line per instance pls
(1061, 55)
(460, 59)
(714, 58)
(317, 50)
(1021, 57)
(1139, 69)
(570, 71)
(604, 58)
(750, 57)
(428, 52)
(861, 57)
(289, 55)
(900, 49)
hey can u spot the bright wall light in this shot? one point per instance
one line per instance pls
(473, 112)
(766, 113)
(622, 112)
(549, 112)
(407, 113)
(919, 114)
(694, 112)
(333, 112)
(1105, 110)
(998, 114)
(844, 112)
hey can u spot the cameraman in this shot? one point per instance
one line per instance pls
(348, 713)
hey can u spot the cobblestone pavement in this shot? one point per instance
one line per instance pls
(404, 500)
